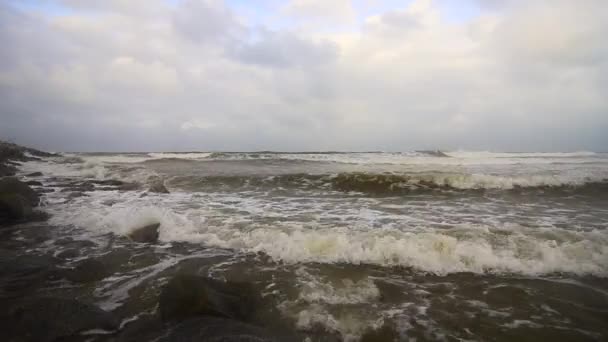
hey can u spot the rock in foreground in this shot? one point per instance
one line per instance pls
(147, 233)
(213, 329)
(191, 295)
(50, 319)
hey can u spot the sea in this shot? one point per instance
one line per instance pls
(435, 245)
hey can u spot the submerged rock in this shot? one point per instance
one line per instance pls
(34, 183)
(158, 187)
(214, 329)
(190, 295)
(50, 319)
(147, 233)
(22, 275)
(87, 271)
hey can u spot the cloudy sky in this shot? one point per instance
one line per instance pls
(161, 75)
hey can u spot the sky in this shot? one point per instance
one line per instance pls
(304, 75)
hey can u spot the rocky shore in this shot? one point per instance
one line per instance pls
(46, 280)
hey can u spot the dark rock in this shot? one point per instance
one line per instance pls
(147, 233)
(88, 271)
(38, 216)
(75, 194)
(64, 241)
(22, 275)
(11, 185)
(189, 295)
(44, 190)
(34, 174)
(68, 254)
(212, 329)
(158, 187)
(14, 207)
(34, 183)
(51, 319)
(7, 170)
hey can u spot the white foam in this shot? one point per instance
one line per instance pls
(477, 249)
(346, 292)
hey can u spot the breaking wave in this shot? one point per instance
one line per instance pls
(388, 183)
(468, 248)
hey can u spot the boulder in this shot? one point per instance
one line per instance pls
(14, 207)
(147, 233)
(11, 185)
(158, 187)
(51, 319)
(191, 295)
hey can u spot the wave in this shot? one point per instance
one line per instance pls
(389, 183)
(468, 248)
(422, 157)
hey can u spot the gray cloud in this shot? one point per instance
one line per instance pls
(146, 75)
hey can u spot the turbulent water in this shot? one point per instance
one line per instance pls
(441, 246)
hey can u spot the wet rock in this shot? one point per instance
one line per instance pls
(190, 295)
(147, 233)
(158, 187)
(38, 216)
(75, 194)
(34, 174)
(44, 190)
(51, 319)
(87, 271)
(128, 187)
(33, 183)
(7, 170)
(70, 253)
(14, 207)
(214, 329)
(64, 241)
(11, 185)
(22, 275)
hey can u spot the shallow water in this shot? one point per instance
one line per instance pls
(466, 246)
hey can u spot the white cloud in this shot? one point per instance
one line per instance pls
(332, 12)
(145, 75)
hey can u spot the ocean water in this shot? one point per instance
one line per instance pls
(438, 246)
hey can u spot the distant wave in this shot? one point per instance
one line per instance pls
(367, 158)
(393, 184)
